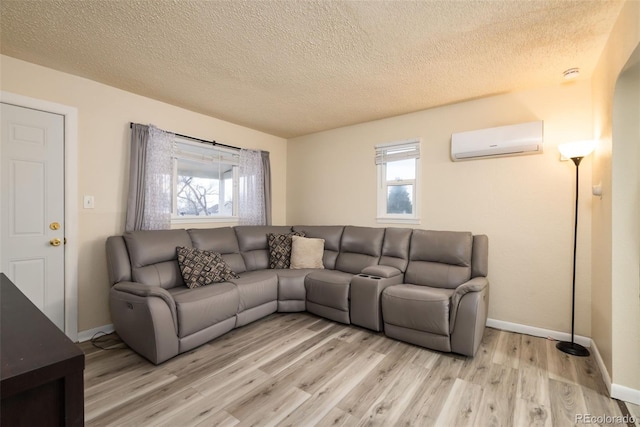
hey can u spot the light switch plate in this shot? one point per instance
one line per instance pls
(88, 202)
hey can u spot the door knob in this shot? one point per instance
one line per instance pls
(54, 225)
(55, 242)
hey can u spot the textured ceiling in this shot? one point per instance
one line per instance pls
(291, 68)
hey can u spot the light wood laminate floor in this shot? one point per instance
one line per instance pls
(298, 370)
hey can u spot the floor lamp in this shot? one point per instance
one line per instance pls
(575, 151)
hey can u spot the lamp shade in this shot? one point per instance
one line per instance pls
(575, 149)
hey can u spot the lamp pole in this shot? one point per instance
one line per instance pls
(566, 346)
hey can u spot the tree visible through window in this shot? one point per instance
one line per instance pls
(193, 197)
(198, 196)
(206, 182)
(398, 200)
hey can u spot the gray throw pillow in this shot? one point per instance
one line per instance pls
(201, 268)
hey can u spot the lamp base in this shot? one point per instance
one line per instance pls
(572, 348)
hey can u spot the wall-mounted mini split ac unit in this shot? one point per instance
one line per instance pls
(514, 140)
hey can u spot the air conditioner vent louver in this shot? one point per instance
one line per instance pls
(513, 140)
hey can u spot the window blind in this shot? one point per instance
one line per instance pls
(394, 151)
(204, 153)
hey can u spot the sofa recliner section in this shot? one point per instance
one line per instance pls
(377, 278)
(328, 291)
(423, 310)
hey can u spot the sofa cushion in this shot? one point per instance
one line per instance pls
(329, 288)
(256, 288)
(416, 307)
(306, 252)
(439, 259)
(252, 241)
(280, 249)
(222, 240)
(331, 235)
(395, 248)
(205, 306)
(201, 268)
(291, 284)
(360, 247)
(154, 261)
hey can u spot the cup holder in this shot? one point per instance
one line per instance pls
(369, 277)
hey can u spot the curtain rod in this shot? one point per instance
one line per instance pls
(204, 141)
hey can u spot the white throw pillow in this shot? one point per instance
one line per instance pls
(306, 252)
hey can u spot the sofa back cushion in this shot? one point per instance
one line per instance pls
(154, 260)
(395, 248)
(118, 262)
(440, 259)
(360, 247)
(253, 244)
(222, 240)
(331, 235)
(480, 256)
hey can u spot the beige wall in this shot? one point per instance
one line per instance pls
(625, 255)
(613, 310)
(524, 204)
(104, 114)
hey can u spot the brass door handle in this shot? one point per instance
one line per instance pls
(55, 242)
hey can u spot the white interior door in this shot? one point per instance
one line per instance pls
(32, 211)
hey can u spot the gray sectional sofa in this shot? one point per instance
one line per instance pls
(424, 287)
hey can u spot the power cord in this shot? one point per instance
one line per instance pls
(98, 341)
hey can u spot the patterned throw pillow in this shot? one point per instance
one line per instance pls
(280, 249)
(201, 268)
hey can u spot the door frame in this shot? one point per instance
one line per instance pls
(70, 115)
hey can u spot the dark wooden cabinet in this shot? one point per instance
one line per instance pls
(42, 380)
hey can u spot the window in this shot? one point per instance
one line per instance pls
(205, 183)
(398, 178)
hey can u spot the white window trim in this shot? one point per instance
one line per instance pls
(196, 219)
(185, 155)
(382, 184)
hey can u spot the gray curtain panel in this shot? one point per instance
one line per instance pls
(266, 168)
(135, 203)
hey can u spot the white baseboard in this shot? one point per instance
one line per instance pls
(627, 394)
(603, 369)
(537, 332)
(89, 333)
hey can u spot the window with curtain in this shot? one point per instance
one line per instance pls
(205, 182)
(173, 179)
(398, 171)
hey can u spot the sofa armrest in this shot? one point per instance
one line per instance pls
(146, 291)
(384, 271)
(477, 284)
(145, 319)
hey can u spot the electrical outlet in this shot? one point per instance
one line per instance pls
(88, 202)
